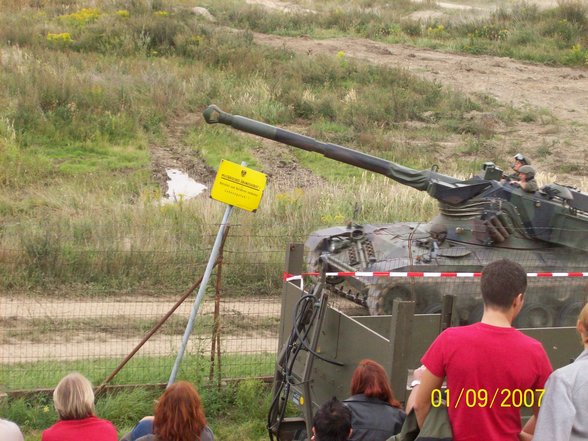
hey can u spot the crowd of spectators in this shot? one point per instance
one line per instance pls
(179, 416)
(485, 358)
(489, 356)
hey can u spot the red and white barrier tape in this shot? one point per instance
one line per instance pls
(289, 277)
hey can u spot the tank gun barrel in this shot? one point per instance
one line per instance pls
(420, 180)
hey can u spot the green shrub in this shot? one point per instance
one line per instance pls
(411, 28)
(573, 11)
(31, 413)
(125, 409)
(565, 31)
(576, 55)
(248, 397)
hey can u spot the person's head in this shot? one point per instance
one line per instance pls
(370, 379)
(582, 325)
(519, 161)
(527, 172)
(503, 285)
(179, 415)
(332, 422)
(73, 397)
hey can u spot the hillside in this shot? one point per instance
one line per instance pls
(554, 133)
(99, 102)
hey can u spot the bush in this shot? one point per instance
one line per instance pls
(573, 11)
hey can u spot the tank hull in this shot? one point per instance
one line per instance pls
(409, 247)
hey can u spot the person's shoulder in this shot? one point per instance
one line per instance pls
(207, 434)
(8, 425)
(525, 339)
(101, 421)
(459, 331)
(10, 430)
(396, 411)
(103, 425)
(454, 335)
(150, 437)
(531, 186)
(569, 374)
(356, 398)
(52, 432)
(55, 427)
(524, 342)
(563, 380)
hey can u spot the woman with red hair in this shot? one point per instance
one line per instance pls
(375, 414)
(179, 416)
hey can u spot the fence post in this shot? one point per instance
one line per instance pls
(216, 342)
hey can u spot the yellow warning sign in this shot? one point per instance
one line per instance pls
(238, 185)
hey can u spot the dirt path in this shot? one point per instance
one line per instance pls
(76, 344)
(144, 307)
(563, 91)
(103, 346)
(277, 161)
(173, 153)
(282, 168)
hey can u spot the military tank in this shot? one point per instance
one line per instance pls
(480, 219)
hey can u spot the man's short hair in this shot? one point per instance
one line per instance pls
(502, 281)
(332, 421)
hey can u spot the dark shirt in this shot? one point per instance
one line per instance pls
(373, 419)
(531, 186)
(512, 177)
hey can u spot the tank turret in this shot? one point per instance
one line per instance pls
(480, 219)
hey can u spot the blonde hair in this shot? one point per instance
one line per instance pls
(73, 397)
(583, 320)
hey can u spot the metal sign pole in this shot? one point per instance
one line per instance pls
(212, 259)
(235, 186)
(201, 291)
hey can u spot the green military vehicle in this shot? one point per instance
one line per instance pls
(480, 220)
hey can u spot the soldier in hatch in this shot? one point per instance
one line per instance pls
(519, 161)
(527, 179)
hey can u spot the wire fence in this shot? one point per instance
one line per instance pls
(235, 336)
(45, 338)
(131, 335)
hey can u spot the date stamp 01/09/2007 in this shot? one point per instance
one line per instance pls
(501, 397)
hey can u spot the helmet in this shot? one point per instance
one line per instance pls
(521, 158)
(528, 171)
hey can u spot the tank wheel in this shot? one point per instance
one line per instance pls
(334, 280)
(381, 298)
(534, 315)
(568, 314)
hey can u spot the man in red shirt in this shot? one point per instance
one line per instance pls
(492, 369)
